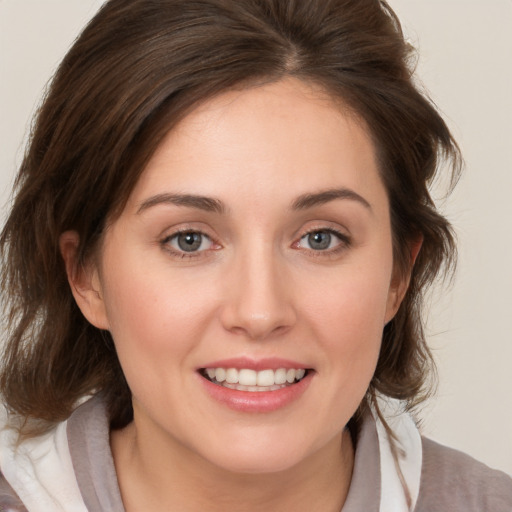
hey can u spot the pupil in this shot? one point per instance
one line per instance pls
(319, 240)
(189, 241)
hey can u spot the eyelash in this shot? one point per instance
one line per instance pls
(184, 254)
(344, 243)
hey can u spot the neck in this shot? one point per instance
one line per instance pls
(167, 476)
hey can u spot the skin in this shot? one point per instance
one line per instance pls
(256, 288)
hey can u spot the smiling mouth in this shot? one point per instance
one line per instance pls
(245, 379)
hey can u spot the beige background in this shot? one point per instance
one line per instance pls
(466, 57)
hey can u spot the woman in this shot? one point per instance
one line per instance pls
(221, 232)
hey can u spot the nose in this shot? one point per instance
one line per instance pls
(259, 301)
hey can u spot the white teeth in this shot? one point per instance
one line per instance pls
(245, 379)
(232, 375)
(266, 378)
(220, 374)
(280, 376)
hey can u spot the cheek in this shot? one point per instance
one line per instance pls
(348, 317)
(351, 304)
(158, 316)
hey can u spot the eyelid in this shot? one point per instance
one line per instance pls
(166, 238)
(345, 240)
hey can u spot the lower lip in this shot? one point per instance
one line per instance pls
(257, 401)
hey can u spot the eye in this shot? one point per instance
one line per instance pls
(189, 242)
(322, 240)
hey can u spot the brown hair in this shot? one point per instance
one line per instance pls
(134, 72)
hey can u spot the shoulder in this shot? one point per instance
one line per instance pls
(452, 480)
(37, 473)
(9, 501)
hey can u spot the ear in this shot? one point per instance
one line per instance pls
(84, 281)
(400, 281)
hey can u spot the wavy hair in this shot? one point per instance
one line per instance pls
(137, 69)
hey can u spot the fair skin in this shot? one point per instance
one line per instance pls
(230, 248)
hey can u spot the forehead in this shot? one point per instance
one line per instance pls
(267, 143)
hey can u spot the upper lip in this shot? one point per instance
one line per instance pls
(268, 363)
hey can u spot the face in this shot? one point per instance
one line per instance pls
(248, 280)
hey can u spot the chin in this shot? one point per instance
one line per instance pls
(257, 464)
(256, 457)
(264, 456)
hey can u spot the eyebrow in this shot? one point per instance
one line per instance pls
(207, 204)
(210, 204)
(310, 200)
